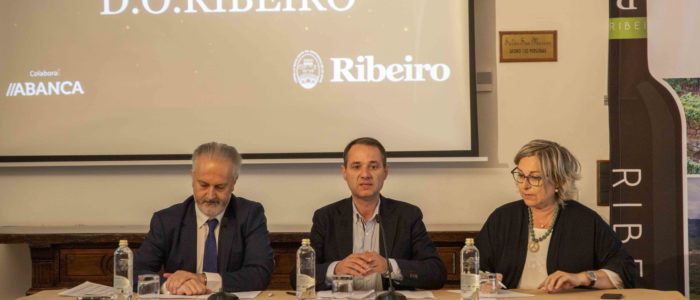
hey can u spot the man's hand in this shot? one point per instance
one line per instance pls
(354, 264)
(361, 264)
(558, 281)
(377, 263)
(185, 283)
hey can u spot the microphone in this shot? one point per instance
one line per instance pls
(392, 294)
(222, 296)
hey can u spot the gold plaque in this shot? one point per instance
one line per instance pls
(528, 46)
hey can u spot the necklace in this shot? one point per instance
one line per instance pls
(534, 244)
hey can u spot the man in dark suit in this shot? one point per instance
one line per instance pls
(346, 234)
(213, 239)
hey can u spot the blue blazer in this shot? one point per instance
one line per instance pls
(244, 252)
(406, 238)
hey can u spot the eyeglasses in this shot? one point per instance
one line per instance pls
(520, 178)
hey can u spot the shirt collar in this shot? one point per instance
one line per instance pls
(202, 218)
(358, 216)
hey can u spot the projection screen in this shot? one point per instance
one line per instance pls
(145, 79)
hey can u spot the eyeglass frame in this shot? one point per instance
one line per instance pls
(518, 173)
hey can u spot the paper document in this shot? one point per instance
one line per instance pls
(168, 296)
(417, 294)
(501, 294)
(240, 295)
(354, 295)
(88, 288)
(247, 295)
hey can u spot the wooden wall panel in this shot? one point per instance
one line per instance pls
(66, 260)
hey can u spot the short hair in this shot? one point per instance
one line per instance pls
(368, 141)
(220, 150)
(559, 167)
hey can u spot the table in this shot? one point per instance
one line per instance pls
(65, 256)
(576, 294)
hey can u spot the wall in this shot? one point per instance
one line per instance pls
(561, 100)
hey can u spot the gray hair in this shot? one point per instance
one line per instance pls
(214, 149)
(559, 167)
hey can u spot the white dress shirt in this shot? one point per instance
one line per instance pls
(214, 281)
(366, 238)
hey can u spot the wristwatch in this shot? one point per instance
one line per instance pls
(592, 277)
(203, 277)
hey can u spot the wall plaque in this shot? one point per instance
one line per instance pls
(528, 46)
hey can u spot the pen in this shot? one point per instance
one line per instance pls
(291, 293)
(503, 286)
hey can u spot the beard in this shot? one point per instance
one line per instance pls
(211, 206)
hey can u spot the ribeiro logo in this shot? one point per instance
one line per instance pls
(308, 70)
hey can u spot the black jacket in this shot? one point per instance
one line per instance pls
(581, 241)
(406, 237)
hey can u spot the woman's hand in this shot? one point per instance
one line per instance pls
(559, 281)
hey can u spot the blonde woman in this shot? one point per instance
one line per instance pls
(547, 240)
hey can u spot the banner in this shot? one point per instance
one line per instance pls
(646, 155)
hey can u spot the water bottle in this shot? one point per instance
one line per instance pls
(123, 269)
(306, 271)
(469, 282)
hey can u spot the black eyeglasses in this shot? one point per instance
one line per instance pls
(520, 177)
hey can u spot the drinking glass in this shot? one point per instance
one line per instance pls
(489, 283)
(342, 286)
(148, 285)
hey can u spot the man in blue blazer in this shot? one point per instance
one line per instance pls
(348, 238)
(213, 239)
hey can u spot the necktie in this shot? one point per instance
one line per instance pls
(210, 258)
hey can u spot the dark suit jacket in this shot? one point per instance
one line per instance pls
(406, 238)
(244, 252)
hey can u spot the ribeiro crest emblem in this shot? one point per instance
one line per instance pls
(308, 69)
